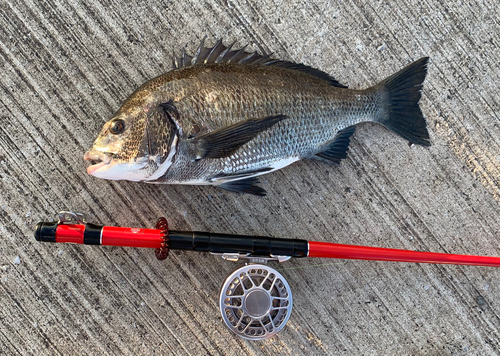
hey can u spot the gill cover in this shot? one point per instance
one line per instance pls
(161, 138)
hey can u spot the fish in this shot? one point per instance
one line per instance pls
(225, 116)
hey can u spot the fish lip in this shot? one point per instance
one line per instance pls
(99, 160)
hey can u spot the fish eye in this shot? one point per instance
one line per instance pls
(117, 127)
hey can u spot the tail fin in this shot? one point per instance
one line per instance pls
(403, 115)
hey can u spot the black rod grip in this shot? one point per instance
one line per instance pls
(226, 243)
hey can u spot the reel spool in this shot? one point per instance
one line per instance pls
(255, 302)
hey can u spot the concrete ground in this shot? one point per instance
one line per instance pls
(66, 67)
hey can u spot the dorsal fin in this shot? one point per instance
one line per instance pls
(222, 54)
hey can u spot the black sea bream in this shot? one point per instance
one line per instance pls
(223, 117)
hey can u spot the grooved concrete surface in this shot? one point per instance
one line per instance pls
(66, 66)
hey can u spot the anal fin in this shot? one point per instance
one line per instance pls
(227, 140)
(337, 149)
(244, 186)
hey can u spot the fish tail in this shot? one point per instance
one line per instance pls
(403, 91)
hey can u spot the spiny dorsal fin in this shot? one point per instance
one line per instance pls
(222, 54)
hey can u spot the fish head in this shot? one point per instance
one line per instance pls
(135, 145)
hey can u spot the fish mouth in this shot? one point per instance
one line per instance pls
(97, 159)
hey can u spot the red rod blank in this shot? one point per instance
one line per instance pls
(330, 250)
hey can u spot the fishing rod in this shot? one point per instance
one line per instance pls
(255, 300)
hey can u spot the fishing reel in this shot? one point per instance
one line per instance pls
(255, 300)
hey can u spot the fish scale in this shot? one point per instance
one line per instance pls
(312, 120)
(300, 134)
(224, 116)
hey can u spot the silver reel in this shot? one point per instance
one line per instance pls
(255, 302)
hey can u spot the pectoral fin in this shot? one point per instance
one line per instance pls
(225, 141)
